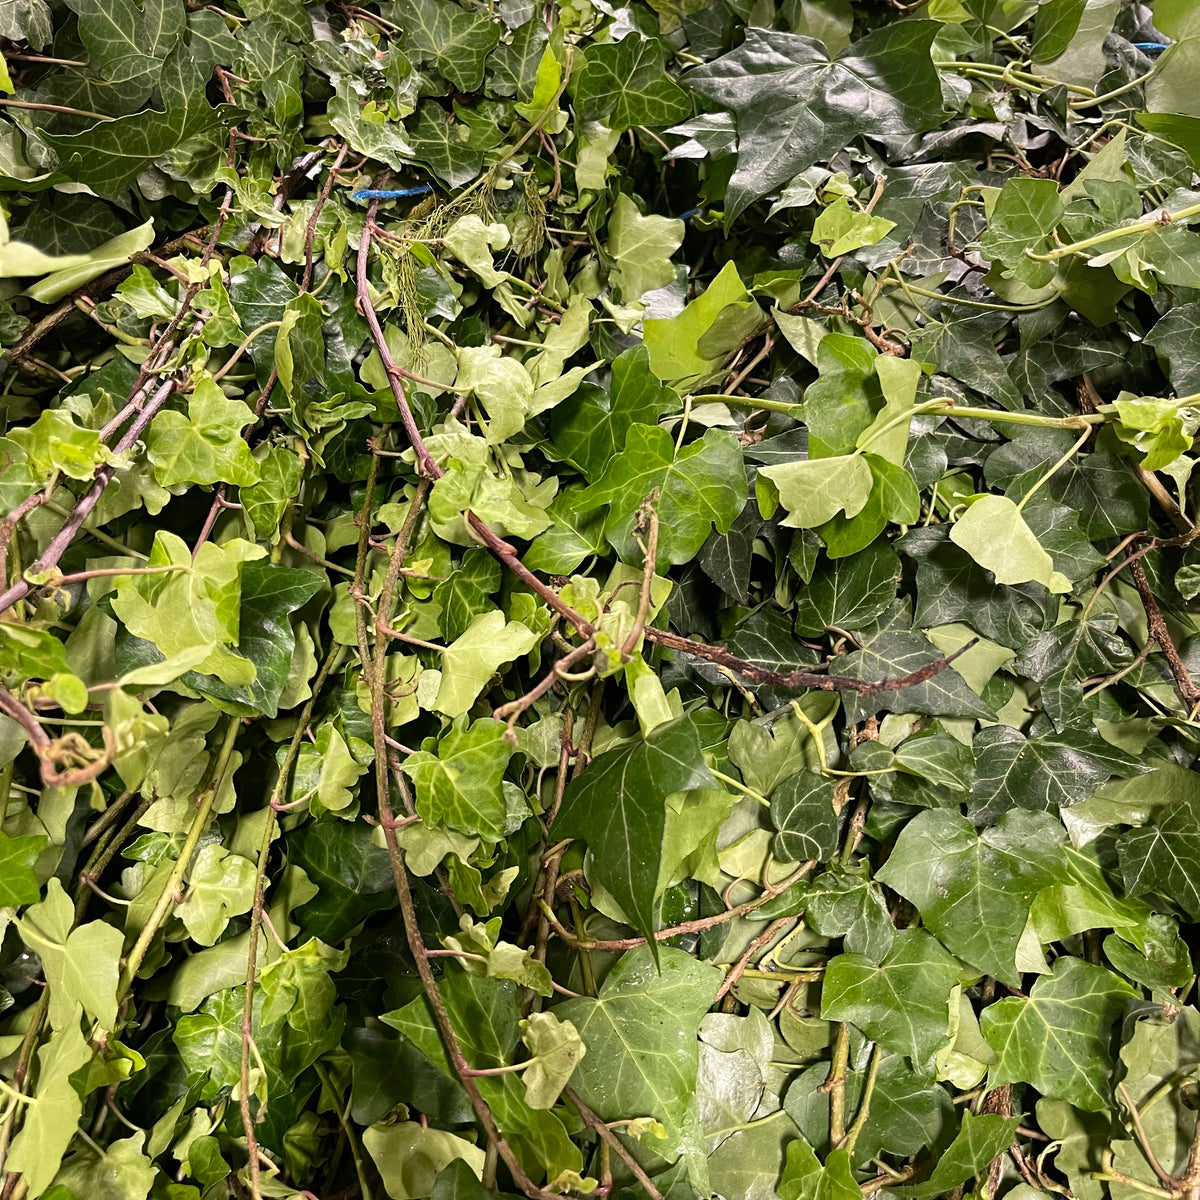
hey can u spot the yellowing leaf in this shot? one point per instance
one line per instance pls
(815, 490)
(840, 229)
(994, 533)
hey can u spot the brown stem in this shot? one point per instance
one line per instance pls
(88, 501)
(1162, 635)
(650, 557)
(426, 465)
(9, 526)
(613, 1142)
(802, 679)
(696, 925)
(310, 230)
(756, 944)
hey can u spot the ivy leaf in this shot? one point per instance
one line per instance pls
(978, 1142)
(1169, 89)
(849, 593)
(468, 662)
(702, 486)
(901, 1003)
(486, 1017)
(1022, 219)
(127, 42)
(806, 1178)
(641, 1031)
(18, 881)
(220, 886)
(1042, 773)
(802, 811)
(640, 246)
(80, 965)
(280, 471)
(465, 595)
(206, 446)
(53, 1118)
(625, 83)
(621, 800)
(455, 43)
(54, 442)
(109, 156)
(590, 427)
(326, 771)
(459, 786)
(840, 229)
(196, 606)
(1155, 427)
(891, 655)
(410, 1156)
(974, 891)
(270, 594)
(679, 347)
(557, 1050)
(1163, 857)
(794, 106)
(815, 490)
(442, 144)
(994, 533)
(1057, 1038)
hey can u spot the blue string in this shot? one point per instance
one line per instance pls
(389, 193)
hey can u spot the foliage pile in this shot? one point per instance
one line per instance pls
(599, 597)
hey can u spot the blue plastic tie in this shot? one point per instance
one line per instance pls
(691, 212)
(1150, 47)
(389, 193)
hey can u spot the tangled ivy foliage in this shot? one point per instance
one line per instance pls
(599, 597)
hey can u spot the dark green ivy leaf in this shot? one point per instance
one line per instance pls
(903, 1002)
(455, 43)
(701, 486)
(795, 106)
(621, 801)
(625, 83)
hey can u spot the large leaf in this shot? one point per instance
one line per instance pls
(974, 891)
(641, 1038)
(621, 801)
(1057, 1038)
(794, 105)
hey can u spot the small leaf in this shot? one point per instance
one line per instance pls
(459, 786)
(840, 229)
(557, 1050)
(903, 1003)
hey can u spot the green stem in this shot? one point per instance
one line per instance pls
(1015, 75)
(1146, 225)
(360, 1166)
(835, 1085)
(739, 786)
(983, 304)
(760, 402)
(1140, 81)
(864, 1106)
(1062, 462)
